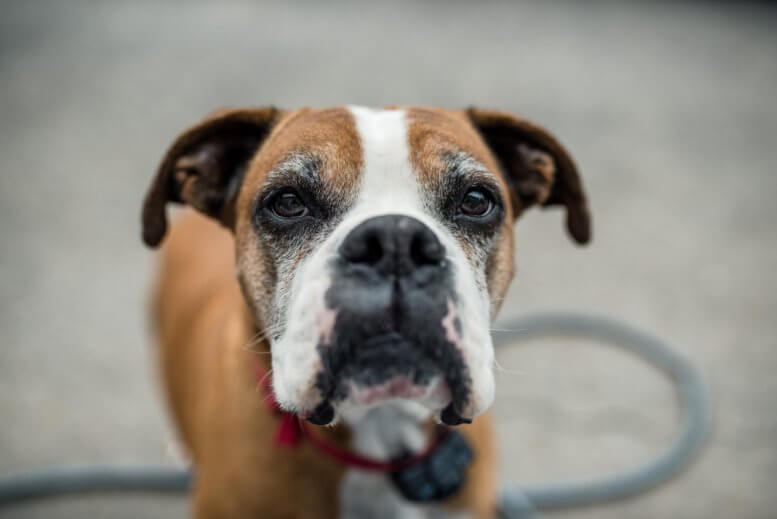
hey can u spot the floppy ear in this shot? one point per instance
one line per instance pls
(204, 168)
(538, 169)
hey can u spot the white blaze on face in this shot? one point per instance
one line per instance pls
(388, 183)
(388, 186)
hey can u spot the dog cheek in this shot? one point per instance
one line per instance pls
(475, 344)
(326, 325)
(484, 396)
(257, 278)
(309, 324)
(500, 268)
(478, 354)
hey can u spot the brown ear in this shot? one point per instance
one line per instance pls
(204, 167)
(539, 170)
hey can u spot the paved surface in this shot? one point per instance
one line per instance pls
(670, 110)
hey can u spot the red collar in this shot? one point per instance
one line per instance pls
(292, 430)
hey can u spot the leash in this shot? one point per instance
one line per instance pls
(515, 502)
(692, 396)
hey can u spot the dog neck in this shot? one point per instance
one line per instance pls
(390, 430)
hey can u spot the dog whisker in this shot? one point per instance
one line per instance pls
(502, 369)
(263, 334)
(260, 382)
(259, 337)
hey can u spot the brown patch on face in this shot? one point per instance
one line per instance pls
(328, 134)
(436, 134)
(500, 268)
(330, 137)
(532, 166)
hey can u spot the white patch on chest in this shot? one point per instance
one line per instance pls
(382, 433)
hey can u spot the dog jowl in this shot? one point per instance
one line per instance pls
(373, 247)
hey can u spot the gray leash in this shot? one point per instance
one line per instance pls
(691, 393)
(92, 479)
(515, 503)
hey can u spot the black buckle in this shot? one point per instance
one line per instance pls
(440, 474)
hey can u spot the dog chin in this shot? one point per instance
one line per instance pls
(424, 399)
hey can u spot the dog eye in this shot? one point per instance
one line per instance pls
(476, 202)
(287, 204)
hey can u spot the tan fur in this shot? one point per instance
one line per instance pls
(434, 131)
(311, 130)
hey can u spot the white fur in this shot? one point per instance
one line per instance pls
(382, 433)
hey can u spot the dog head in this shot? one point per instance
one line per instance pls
(373, 246)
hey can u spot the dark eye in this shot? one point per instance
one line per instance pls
(288, 204)
(476, 202)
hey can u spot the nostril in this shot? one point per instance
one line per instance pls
(367, 249)
(425, 249)
(392, 244)
(373, 249)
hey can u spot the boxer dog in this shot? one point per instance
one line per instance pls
(320, 347)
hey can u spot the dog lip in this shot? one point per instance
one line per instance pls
(450, 416)
(323, 414)
(396, 387)
(389, 366)
(435, 393)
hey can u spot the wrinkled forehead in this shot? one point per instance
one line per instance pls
(393, 146)
(439, 139)
(325, 140)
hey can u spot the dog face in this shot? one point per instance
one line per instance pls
(373, 246)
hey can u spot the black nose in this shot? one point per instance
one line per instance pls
(393, 244)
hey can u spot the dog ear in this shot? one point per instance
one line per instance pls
(538, 169)
(204, 168)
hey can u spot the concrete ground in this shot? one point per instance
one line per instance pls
(669, 109)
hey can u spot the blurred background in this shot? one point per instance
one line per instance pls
(668, 107)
